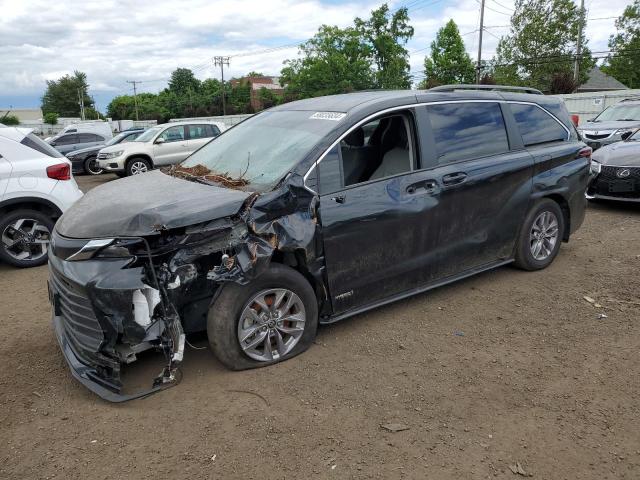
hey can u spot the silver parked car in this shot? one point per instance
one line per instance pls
(613, 124)
(70, 142)
(616, 171)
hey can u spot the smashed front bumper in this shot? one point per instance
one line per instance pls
(93, 318)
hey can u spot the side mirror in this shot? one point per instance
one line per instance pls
(159, 140)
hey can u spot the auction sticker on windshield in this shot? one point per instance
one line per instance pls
(335, 116)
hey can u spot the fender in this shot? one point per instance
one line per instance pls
(20, 200)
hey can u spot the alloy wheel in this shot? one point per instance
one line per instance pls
(138, 167)
(26, 239)
(543, 235)
(271, 324)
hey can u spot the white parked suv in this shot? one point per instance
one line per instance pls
(36, 187)
(158, 146)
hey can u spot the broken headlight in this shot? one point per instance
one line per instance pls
(106, 248)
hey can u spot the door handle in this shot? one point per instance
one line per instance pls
(339, 198)
(426, 186)
(454, 178)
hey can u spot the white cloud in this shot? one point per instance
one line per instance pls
(116, 40)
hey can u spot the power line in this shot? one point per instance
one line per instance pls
(508, 9)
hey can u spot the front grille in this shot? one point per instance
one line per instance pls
(611, 173)
(591, 136)
(78, 319)
(608, 182)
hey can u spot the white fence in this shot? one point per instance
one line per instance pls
(46, 130)
(588, 105)
(228, 120)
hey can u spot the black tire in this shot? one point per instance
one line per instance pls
(132, 164)
(224, 316)
(524, 258)
(9, 220)
(91, 167)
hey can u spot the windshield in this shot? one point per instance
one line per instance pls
(34, 142)
(619, 112)
(148, 134)
(263, 148)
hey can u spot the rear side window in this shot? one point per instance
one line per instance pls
(34, 142)
(67, 139)
(201, 131)
(536, 126)
(467, 130)
(87, 137)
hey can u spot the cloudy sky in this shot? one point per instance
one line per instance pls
(113, 41)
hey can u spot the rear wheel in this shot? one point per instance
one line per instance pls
(24, 238)
(271, 319)
(136, 166)
(540, 236)
(92, 167)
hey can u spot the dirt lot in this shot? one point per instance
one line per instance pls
(501, 368)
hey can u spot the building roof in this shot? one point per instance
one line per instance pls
(598, 81)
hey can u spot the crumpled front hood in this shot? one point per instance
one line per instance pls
(145, 204)
(619, 154)
(608, 126)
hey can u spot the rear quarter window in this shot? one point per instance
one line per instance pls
(463, 131)
(537, 126)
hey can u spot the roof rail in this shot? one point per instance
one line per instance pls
(504, 88)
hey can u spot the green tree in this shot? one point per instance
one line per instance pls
(624, 62)
(184, 82)
(62, 96)
(387, 33)
(449, 61)
(51, 118)
(268, 98)
(541, 44)
(9, 120)
(334, 60)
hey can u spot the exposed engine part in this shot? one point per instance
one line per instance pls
(144, 304)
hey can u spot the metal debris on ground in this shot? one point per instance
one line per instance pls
(394, 427)
(518, 470)
(601, 316)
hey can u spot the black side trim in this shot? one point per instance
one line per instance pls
(415, 291)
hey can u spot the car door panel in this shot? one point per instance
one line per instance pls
(480, 212)
(173, 149)
(372, 248)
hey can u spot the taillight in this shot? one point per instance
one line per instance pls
(575, 119)
(585, 153)
(60, 171)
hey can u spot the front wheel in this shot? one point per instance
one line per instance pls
(91, 166)
(540, 236)
(271, 319)
(136, 166)
(24, 237)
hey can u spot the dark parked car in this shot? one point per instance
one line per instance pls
(85, 160)
(309, 213)
(616, 171)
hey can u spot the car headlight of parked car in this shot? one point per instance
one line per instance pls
(595, 167)
(624, 132)
(113, 154)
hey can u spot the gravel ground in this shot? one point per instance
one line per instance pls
(504, 372)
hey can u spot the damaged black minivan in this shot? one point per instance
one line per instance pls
(308, 213)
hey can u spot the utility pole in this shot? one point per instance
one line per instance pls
(81, 102)
(222, 61)
(135, 95)
(576, 64)
(479, 64)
